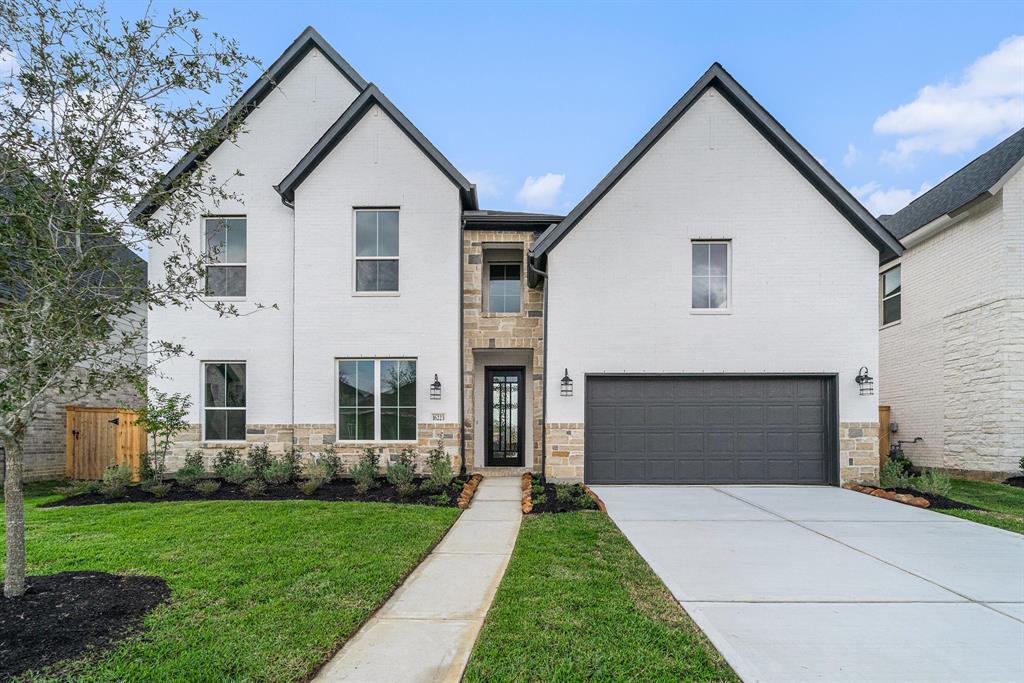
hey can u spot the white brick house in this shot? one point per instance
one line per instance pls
(952, 318)
(699, 317)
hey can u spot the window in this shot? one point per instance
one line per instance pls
(891, 296)
(710, 275)
(225, 243)
(504, 288)
(224, 401)
(377, 251)
(376, 400)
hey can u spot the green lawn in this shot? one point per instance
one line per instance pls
(260, 590)
(1003, 505)
(579, 604)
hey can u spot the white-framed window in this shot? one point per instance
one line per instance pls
(225, 238)
(710, 275)
(504, 287)
(376, 251)
(223, 401)
(376, 399)
(891, 296)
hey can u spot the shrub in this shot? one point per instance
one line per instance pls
(440, 466)
(309, 486)
(439, 498)
(900, 461)
(294, 458)
(279, 472)
(565, 494)
(537, 489)
(584, 502)
(320, 471)
(192, 471)
(115, 481)
(146, 471)
(540, 500)
(207, 487)
(254, 488)
(79, 488)
(227, 458)
(160, 490)
(259, 459)
(402, 470)
(365, 471)
(329, 460)
(238, 473)
(1021, 463)
(933, 482)
(894, 476)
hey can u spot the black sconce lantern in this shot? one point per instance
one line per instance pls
(567, 384)
(435, 389)
(866, 382)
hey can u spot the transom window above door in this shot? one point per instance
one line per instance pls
(710, 275)
(376, 250)
(376, 399)
(226, 246)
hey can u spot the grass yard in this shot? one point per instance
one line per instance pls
(579, 604)
(260, 590)
(1004, 504)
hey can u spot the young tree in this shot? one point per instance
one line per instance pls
(163, 417)
(92, 112)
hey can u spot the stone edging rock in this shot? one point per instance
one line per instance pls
(527, 493)
(904, 498)
(468, 490)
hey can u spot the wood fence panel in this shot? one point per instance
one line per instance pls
(100, 437)
(884, 417)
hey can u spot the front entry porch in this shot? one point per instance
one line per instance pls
(504, 415)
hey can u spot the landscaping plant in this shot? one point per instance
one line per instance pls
(440, 468)
(163, 417)
(192, 471)
(364, 472)
(237, 473)
(254, 488)
(259, 458)
(162, 489)
(116, 479)
(279, 472)
(401, 471)
(933, 482)
(225, 460)
(92, 108)
(321, 470)
(207, 487)
(894, 475)
(329, 459)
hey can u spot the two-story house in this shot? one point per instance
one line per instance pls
(701, 316)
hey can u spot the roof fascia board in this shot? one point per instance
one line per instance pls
(1006, 176)
(946, 220)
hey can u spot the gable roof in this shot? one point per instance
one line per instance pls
(971, 182)
(282, 66)
(370, 96)
(717, 77)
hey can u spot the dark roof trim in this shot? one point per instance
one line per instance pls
(718, 78)
(508, 220)
(252, 97)
(346, 122)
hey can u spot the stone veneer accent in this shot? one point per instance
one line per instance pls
(565, 451)
(312, 438)
(858, 452)
(508, 331)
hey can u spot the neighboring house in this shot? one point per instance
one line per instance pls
(699, 318)
(952, 318)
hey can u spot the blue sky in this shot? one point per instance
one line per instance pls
(892, 97)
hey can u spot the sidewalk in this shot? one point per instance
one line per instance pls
(426, 631)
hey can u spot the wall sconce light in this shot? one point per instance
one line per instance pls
(567, 384)
(866, 382)
(435, 389)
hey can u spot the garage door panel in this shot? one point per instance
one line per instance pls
(704, 429)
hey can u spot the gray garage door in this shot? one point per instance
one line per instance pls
(745, 429)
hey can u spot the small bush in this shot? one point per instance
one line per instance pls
(330, 461)
(402, 471)
(537, 489)
(309, 486)
(565, 494)
(540, 500)
(207, 487)
(900, 461)
(115, 481)
(440, 469)
(237, 473)
(227, 458)
(79, 488)
(439, 498)
(279, 472)
(161, 490)
(254, 488)
(584, 501)
(192, 471)
(259, 459)
(319, 470)
(894, 476)
(146, 469)
(933, 482)
(364, 472)
(293, 456)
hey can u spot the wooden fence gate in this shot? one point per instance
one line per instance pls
(99, 437)
(884, 416)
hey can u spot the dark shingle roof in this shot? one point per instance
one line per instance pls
(490, 219)
(970, 182)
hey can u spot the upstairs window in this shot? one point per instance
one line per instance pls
(891, 296)
(376, 260)
(223, 401)
(710, 275)
(504, 288)
(226, 245)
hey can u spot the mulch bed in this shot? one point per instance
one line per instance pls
(1015, 481)
(343, 490)
(552, 504)
(63, 616)
(938, 502)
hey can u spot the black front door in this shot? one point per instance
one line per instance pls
(506, 415)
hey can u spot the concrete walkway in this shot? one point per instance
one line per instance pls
(426, 631)
(822, 584)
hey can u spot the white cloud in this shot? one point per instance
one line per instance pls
(851, 156)
(948, 117)
(8, 63)
(487, 184)
(886, 201)
(542, 192)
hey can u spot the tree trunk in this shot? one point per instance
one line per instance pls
(14, 519)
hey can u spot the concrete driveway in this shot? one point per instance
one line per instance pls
(822, 584)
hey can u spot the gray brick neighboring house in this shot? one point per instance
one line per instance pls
(952, 318)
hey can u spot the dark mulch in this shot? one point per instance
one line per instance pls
(343, 490)
(552, 504)
(939, 502)
(62, 616)
(1015, 481)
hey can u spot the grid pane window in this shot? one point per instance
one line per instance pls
(891, 295)
(224, 401)
(226, 247)
(710, 275)
(504, 287)
(377, 400)
(376, 251)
